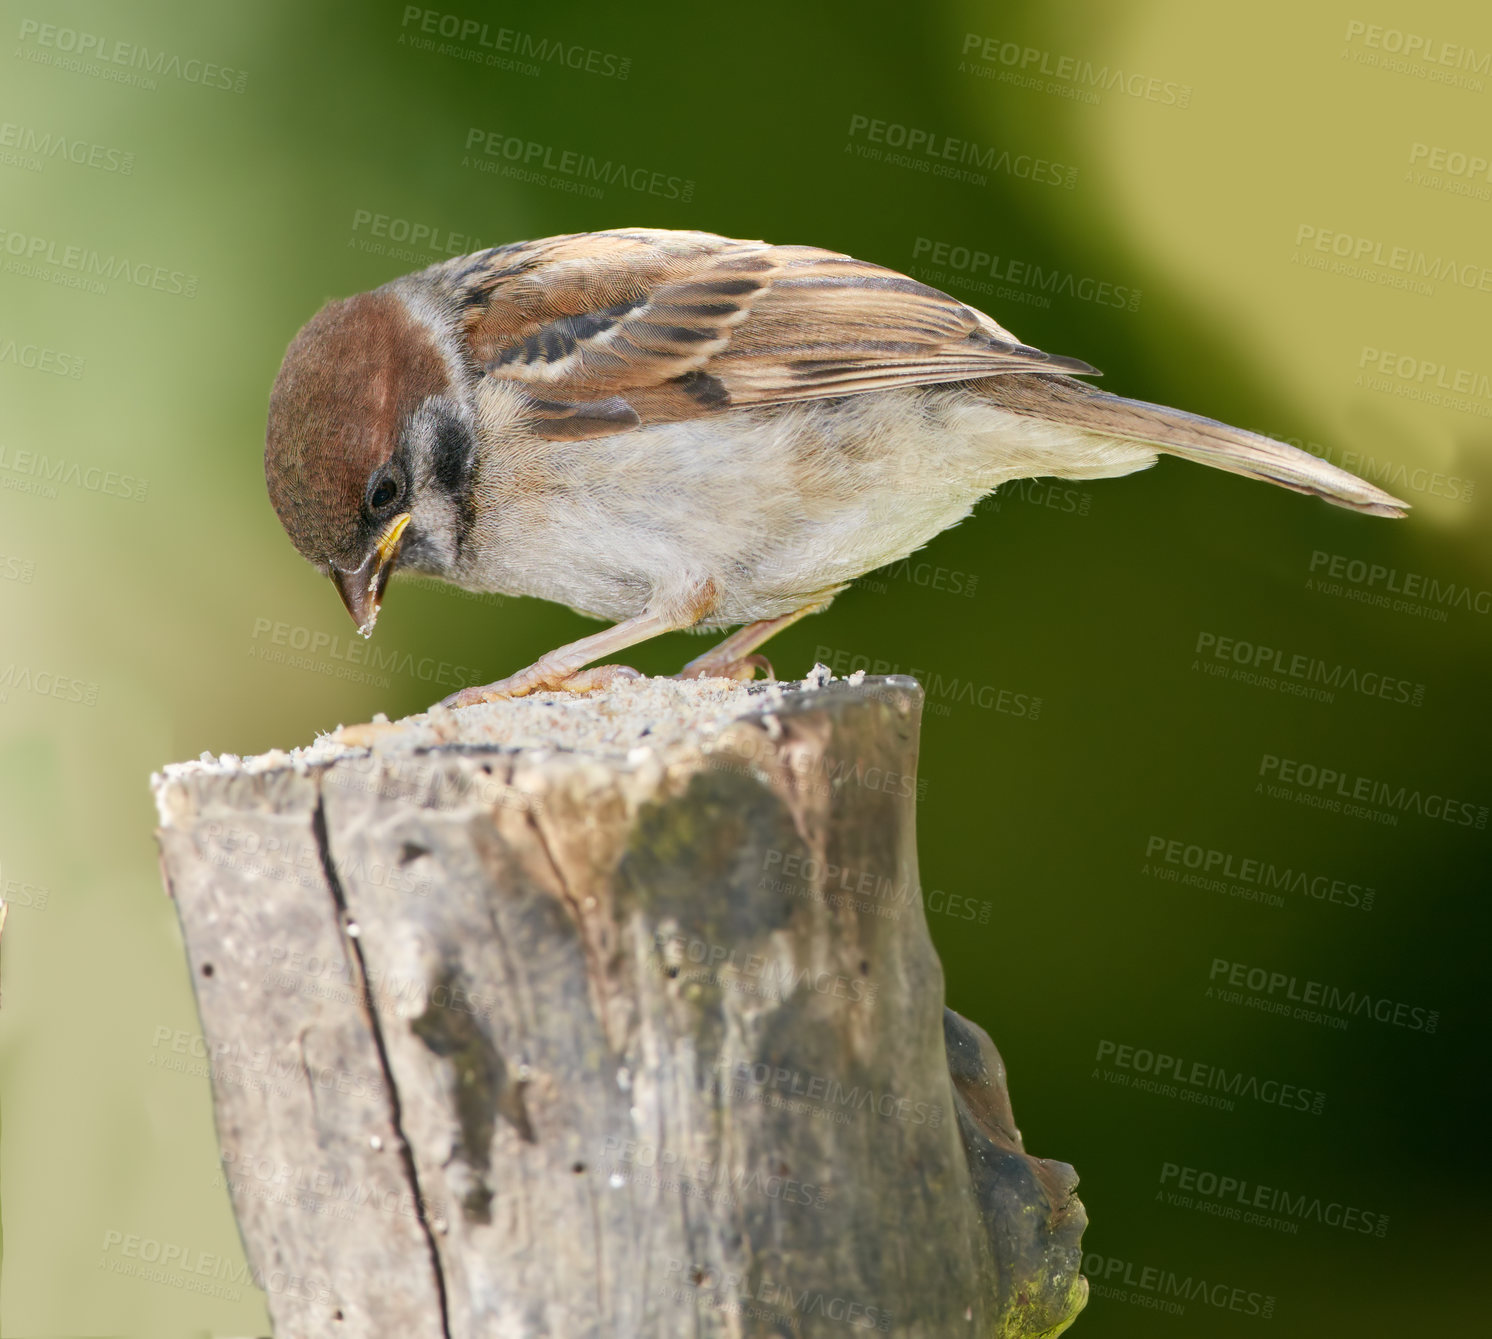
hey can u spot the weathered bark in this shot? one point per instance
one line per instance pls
(644, 1039)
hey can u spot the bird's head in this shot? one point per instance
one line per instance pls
(370, 448)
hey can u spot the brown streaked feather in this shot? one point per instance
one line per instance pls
(614, 330)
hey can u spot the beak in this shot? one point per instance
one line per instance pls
(362, 590)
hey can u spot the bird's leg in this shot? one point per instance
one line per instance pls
(563, 668)
(732, 658)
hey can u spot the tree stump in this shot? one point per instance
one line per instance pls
(612, 1015)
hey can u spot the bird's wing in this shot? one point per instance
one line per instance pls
(613, 330)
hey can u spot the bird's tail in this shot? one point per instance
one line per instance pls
(1075, 404)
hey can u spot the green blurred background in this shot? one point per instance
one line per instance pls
(134, 629)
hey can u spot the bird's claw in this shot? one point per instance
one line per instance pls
(538, 679)
(597, 677)
(742, 670)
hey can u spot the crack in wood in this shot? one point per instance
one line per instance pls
(355, 955)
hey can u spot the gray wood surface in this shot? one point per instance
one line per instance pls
(600, 1043)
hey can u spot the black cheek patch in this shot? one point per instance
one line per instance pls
(453, 459)
(452, 456)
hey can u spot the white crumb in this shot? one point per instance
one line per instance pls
(633, 721)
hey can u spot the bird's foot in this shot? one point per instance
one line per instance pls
(541, 678)
(742, 669)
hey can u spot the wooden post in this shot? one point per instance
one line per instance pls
(605, 1016)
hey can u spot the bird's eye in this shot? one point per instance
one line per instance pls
(385, 490)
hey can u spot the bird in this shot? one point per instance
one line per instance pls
(679, 430)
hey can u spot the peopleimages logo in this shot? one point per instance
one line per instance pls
(1450, 170)
(799, 1090)
(1384, 263)
(173, 1264)
(419, 237)
(972, 266)
(1424, 55)
(1167, 1291)
(1377, 584)
(1066, 76)
(93, 53)
(573, 169)
(505, 48)
(648, 1164)
(40, 358)
(947, 156)
(1212, 869)
(1392, 475)
(1465, 389)
(941, 692)
(46, 683)
(279, 643)
(1197, 1081)
(1333, 788)
(729, 967)
(798, 873)
(1298, 673)
(703, 1284)
(1252, 1202)
(26, 146)
(36, 257)
(1277, 991)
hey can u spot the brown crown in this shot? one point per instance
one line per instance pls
(350, 379)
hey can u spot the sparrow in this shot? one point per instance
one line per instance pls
(674, 430)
